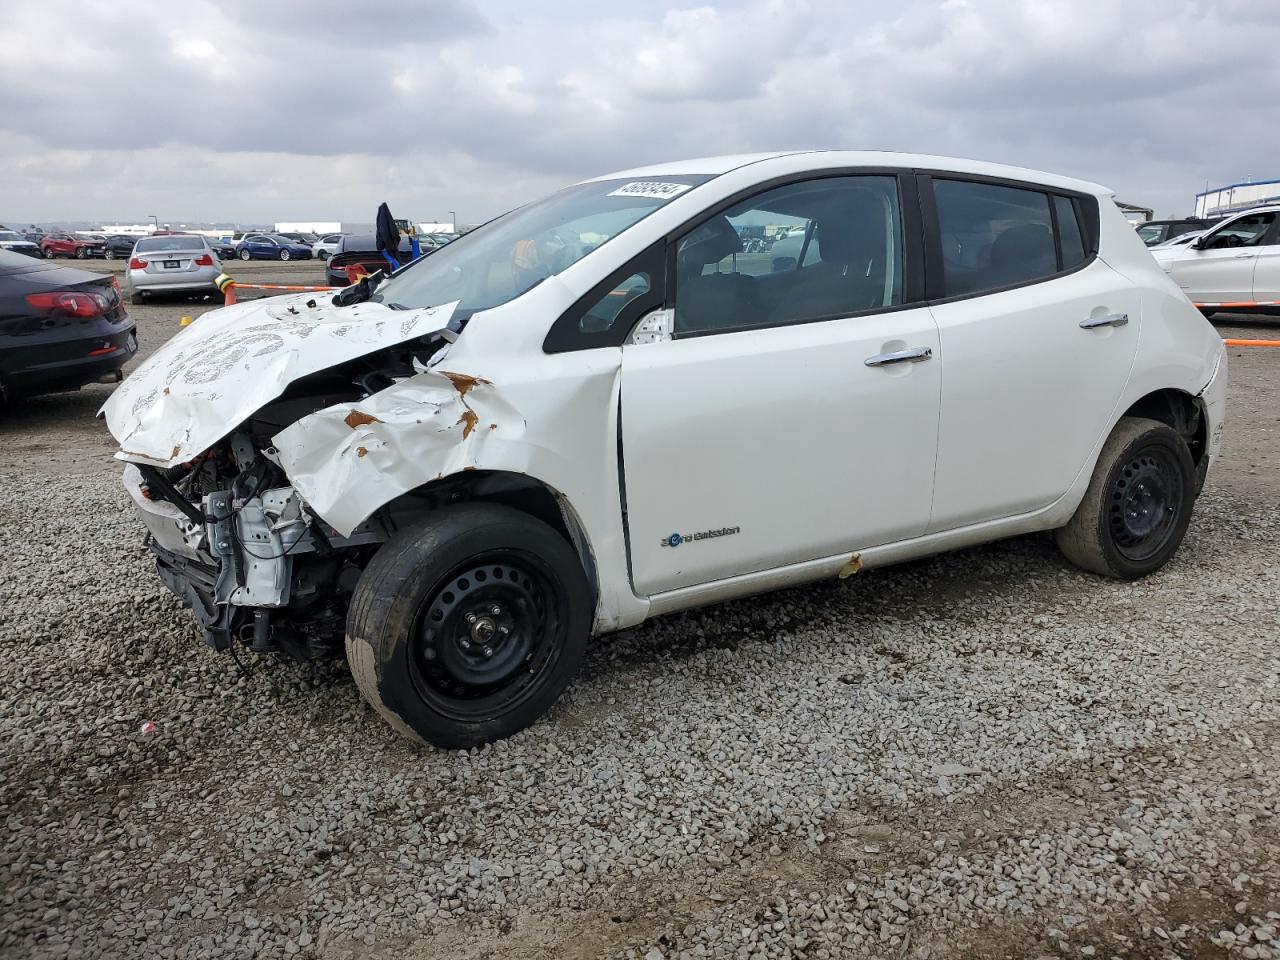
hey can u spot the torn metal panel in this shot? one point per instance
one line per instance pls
(348, 459)
(210, 377)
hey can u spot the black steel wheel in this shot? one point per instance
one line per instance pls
(1138, 505)
(466, 627)
(486, 633)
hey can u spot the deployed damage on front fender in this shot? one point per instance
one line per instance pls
(350, 458)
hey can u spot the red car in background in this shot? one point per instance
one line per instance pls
(65, 245)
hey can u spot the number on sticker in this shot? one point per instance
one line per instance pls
(653, 189)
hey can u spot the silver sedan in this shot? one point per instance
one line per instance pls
(181, 263)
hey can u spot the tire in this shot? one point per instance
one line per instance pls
(284, 254)
(323, 254)
(423, 660)
(245, 254)
(81, 253)
(48, 253)
(1138, 505)
(108, 254)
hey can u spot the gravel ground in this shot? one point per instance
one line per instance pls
(985, 754)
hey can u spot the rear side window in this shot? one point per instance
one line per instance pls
(1070, 236)
(995, 236)
(992, 236)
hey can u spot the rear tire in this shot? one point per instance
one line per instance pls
(467, 626)
(1138, 504)
(81, 253)
(108, 254)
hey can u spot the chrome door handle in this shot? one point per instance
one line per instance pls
(1110, 320)
(910, 355)
(1242, 256)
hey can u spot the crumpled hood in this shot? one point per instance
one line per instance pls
(209, 378)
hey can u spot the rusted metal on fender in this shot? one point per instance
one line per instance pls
(351, 458)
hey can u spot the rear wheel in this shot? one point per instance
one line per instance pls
(245, 254)
(467, 627)
(284, 254)
(1138, 505)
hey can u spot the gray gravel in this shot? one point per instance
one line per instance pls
(985, 754)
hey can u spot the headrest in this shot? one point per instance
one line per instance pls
(1025, 243)
(710, 243)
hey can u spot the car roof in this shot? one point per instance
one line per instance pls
(716, 166)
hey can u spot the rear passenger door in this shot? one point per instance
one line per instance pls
(1266, 269)
(1037, 334)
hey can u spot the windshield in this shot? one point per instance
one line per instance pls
(279, 238)
(160, 244)
(507, 256)
(1152, 233)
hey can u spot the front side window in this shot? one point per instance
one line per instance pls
(1246, 232)
(814, 250)
(499, 261)
(992, 236)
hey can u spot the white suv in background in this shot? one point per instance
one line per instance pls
(601, 407)
(326, 246)
(1233, 266)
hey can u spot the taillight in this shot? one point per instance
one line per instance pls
(74, 303)
(136, 264)
(204, 260)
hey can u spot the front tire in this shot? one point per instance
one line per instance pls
(48, 253)
(466, 627)
(284, 254)
(245, 255)
(1138, 505)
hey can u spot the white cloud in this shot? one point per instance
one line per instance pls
(262, 111)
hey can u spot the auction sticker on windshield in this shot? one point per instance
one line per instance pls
(653, 189)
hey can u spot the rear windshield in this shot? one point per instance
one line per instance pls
(162, 244)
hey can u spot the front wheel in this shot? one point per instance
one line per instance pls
(48, 253)
(284, 254)
(245, 254)
(466, 627)
(1138, 505)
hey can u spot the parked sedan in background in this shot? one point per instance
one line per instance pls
(173, 264)
(304, 238)
(1234, 267)
(12, 240)
(65, 245)
(325, 246)
(224, 247)
(271, 246)
(60, 327)
(119, 245)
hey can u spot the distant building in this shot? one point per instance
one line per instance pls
(1236, 196)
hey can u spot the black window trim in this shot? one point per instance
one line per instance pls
(1087, 217)
(913, 246)
(565, 336)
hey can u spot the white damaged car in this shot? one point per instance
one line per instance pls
(601, 407)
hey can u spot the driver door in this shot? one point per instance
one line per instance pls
(1221, 269)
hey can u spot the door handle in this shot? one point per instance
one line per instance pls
(1110, 320)
(1242, 256)
(910, 355)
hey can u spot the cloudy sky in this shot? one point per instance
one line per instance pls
(267, 110)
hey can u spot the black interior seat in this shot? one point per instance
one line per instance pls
(1022, 252)
(712, 301)
(852, 238)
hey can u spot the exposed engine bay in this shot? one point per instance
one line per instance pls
(238, 544)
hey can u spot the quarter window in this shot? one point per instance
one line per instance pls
(814, 250)
(1070, 237)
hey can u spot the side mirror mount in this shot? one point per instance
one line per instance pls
(656, 326)
(1198, 243)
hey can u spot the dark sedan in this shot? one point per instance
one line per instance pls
(271, 246)
(60, 328)
(119, 246)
